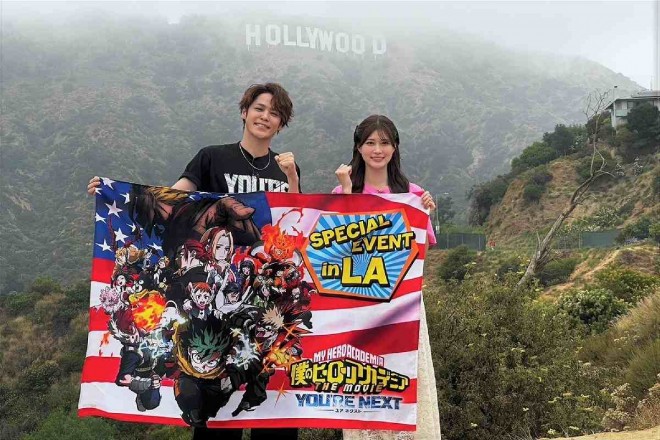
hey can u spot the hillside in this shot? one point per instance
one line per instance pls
(514, 220)
(134, 99)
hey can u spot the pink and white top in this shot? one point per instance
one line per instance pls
(415, 189)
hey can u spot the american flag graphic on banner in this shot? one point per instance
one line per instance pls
(254, 310)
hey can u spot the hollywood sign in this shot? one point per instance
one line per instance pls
(312, 38)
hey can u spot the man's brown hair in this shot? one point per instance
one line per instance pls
(281, 102)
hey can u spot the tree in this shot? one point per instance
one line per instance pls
(538, 153)
(593, 110)
(641, 135)
(644, 120)
(561, 140)
(444, 211)
(483, 196)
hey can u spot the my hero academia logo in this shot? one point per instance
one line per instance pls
(360, 255)
(347, 376)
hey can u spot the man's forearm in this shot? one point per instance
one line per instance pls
(294, 184)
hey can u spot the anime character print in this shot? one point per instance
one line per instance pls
(204, 303)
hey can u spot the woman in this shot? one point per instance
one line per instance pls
(376, 169)
(219, 243)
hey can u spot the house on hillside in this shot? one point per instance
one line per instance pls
(620, 107)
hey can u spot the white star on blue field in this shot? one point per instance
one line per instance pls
(394, 261)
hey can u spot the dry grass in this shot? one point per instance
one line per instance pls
(644, 319)
(647, 416)
(648, 434)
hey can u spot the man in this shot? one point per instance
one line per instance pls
(247, 166)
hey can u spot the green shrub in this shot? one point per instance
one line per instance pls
(536, 154)
(533, 192)
(510, 265)
(654, 232)
(635, 231)
(455, 266)
(536, 183)
(39, 376)
(626, 284)
(45, 286)
(68, 426)
(619, 417)
(505, 364)
(583, 166)
(606, 218)
(20, 303)
(594, 308)
(557, 271)
(76, 301)
(540, 176)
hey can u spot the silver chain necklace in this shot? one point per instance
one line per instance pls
(255, 170)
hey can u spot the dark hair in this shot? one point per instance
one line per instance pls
(397, 182)
(247, 263)
(232, 287)
(281, 101)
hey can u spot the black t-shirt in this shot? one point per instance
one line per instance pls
(227, 169)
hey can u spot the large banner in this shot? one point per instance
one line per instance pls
(254, 310)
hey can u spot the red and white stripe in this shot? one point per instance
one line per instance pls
(390, 330)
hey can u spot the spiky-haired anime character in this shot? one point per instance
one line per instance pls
(267, 329)
(278, 346)
(279, 341)
(137, 368)
(203, 387)
(205, 350)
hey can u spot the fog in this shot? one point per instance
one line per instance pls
(618, 34)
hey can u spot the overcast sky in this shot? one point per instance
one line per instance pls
(617, 34)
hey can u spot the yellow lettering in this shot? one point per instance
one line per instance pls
(383, 222)
(347, 277)
(357, 248)
(327, 234)
(340, 233)
(372, 224)
(353, 231)
(376, 272)
(316, 240)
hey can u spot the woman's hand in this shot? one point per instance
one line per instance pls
(427, 201)
(94, 183)
(343, 174)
